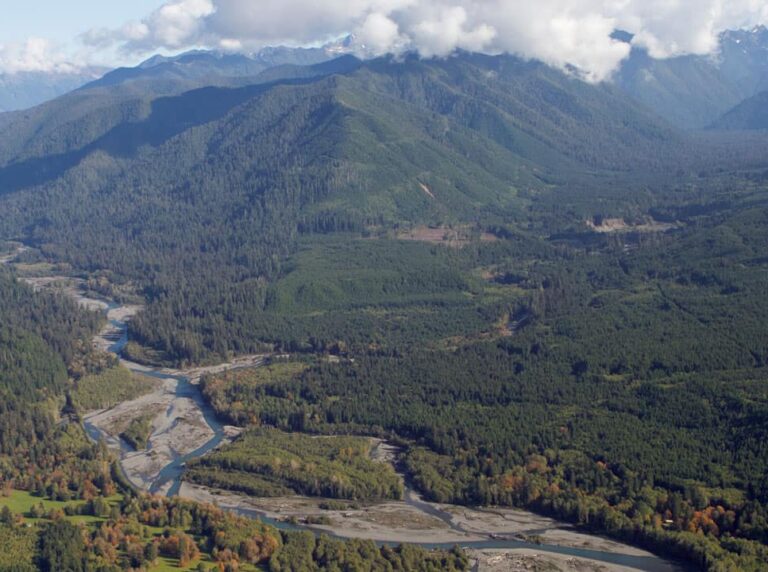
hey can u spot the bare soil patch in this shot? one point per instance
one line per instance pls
(533, 561)
(620, 225)
(452, 237)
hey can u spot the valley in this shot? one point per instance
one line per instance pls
(184, 427)
(470, 300)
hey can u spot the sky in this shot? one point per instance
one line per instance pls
(43, 35)
(64, 35)
(63, 20)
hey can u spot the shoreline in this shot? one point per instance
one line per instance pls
(396, 522)
(531, 560)
(471, 525)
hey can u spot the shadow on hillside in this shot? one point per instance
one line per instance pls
(170, 116)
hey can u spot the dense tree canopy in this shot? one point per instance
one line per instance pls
(548, 296)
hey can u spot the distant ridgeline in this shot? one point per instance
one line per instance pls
(428, 237)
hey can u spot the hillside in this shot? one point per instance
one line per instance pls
(153, 190)
(471, 127)
(749, 115)
(504, 86)
(173, 75)
(161, 75)
(204, 195)
(549, 297)
(22, 90)
(83, 116)
(694, 91)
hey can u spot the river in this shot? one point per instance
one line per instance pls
(168, 479)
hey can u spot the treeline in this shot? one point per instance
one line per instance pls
(716, 529)
(124, 537)
(45, 324)
(319, 305)
(135, 533)
(266, 462)
(216, 186)
(632, 401)
(303, 552)
(43, 338)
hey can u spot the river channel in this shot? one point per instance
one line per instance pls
(168, 479)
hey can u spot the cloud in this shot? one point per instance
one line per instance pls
(443, 29)
(176, 24)
(34, 55)
(380, 34)
(668, 28)
(564, 33)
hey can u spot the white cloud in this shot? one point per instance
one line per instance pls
(563, 33)
(230, 45)
(672, 27)
(443, 29)
(380, 34)
(175, 25)
(34, 55)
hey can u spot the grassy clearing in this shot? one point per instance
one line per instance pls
(268, 462)
(18, 544)
(110, 387)
(21, 502)
(36, 270)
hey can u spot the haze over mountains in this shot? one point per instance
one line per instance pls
(694, 91)
(26, 89)
(750, 114)
(690, 92)
(161, 74)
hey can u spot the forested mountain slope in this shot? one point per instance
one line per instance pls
(556, 299)
(83, 116)
(544, 103)
(174, 74)
(224, 179)
(23, 90)
(694, 91)
(749, 115)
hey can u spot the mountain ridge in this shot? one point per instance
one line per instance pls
(339, 150)
(690, 92)
(694, 91)
(749, 115)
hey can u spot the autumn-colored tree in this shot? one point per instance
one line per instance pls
(151, 552)
(250, 550)
(104, 550)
